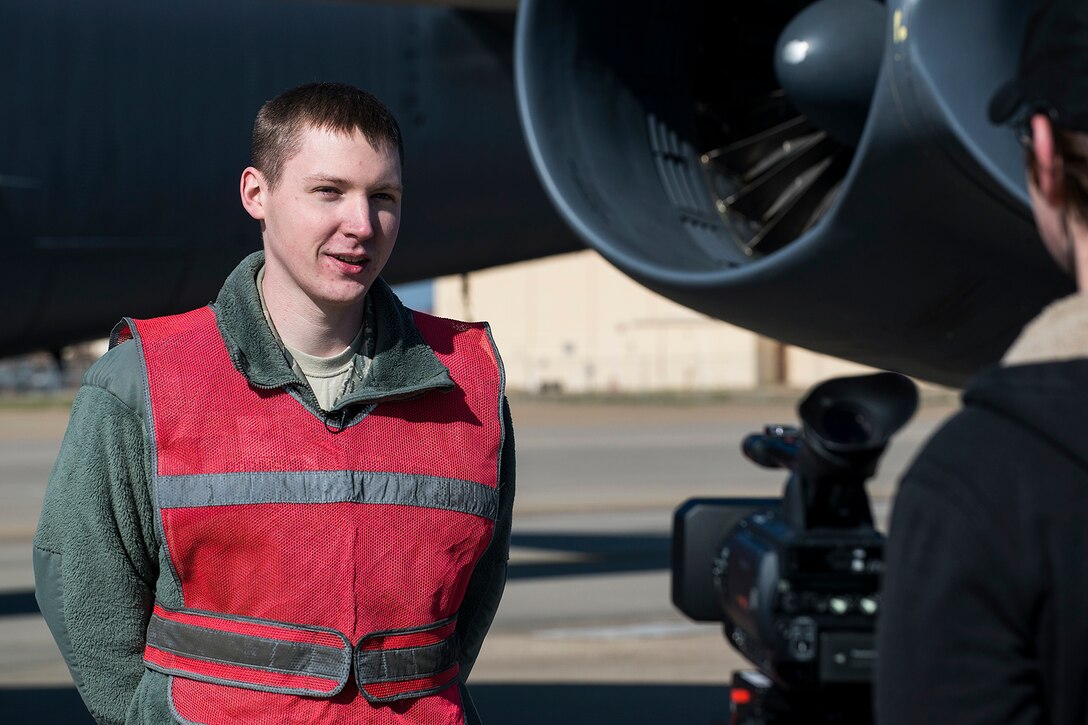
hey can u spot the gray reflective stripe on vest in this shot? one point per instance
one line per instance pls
(409, 663)
(276, 655)
(229, 489)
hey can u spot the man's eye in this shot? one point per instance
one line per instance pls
(384, 196)
(327, 191)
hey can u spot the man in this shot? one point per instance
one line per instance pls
(985, 604)
(292, 505)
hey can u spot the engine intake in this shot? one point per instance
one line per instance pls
(849, 213)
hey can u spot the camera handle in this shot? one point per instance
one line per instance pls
(825, 489)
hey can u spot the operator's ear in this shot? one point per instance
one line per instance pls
(1048, 166)
(254, 189)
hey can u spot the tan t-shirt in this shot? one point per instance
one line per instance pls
(331, 378)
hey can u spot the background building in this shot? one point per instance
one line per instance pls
(576, 324)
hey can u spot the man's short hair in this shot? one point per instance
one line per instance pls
(339, 107)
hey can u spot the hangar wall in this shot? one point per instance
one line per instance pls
(575, 323)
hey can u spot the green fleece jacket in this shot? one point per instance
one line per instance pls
(98, 563)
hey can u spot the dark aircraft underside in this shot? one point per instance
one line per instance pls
(819, 172)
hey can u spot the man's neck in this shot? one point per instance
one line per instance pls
(1079, 246)
(304, 325)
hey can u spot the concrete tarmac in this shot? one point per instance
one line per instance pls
(586, 632)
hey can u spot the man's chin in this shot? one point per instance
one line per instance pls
(344, 298)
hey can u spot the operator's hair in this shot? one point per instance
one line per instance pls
(1072, 148)
(338, 107)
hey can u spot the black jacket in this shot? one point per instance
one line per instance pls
(985, 603)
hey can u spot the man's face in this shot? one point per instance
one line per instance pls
(331, 220)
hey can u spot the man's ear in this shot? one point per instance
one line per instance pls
(254, 190)
(1048, 166)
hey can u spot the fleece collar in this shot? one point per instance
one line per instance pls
(403, 365)
(1060, 332)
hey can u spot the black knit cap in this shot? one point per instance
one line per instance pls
(1053, 71)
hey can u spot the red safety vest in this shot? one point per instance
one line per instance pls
(321, 570)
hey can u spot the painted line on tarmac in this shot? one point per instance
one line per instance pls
(534, 555)
(646, 630)
(670, 504)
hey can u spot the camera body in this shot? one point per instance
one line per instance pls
(799, 604)
(796, 580)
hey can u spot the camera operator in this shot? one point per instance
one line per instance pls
(985, 602)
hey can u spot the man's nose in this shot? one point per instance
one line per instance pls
(357, 221)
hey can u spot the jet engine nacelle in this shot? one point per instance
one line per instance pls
(856, 202)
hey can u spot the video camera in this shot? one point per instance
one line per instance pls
(796, 580)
